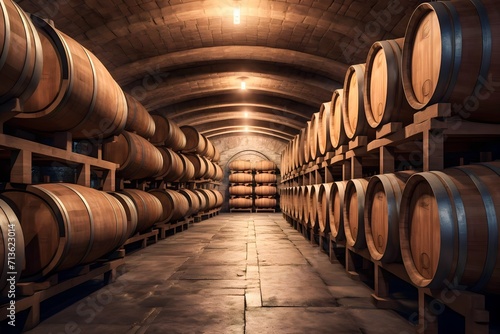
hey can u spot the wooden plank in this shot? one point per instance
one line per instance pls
(11, 142)
(388, 129)
(21, 167)
(432, 111)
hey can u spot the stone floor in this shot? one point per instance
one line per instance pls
(235, 273)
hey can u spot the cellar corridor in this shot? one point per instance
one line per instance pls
(235, 273)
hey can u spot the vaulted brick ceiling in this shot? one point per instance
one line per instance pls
(186, 58)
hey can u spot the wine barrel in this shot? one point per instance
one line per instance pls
(240, 203)
(449, 227)
(149, 209)
(296, 202)
(167, 133)
(301, 142)
(173, 167)
(65, 225)
(451, 54)
(264, 166)
(304, 215)
(314, 151)
(241, 178)
(203, 201)
(337, 132)
(188, 169)
(324, 140)
(216, 157)
(209, 150)
(211, 170)
(265, 178)
(76, 93)
(383, 196)
(194, 141)
(175, 206)
(219, 198)
(138, 159)
(312, 205)
(240, 190)
(323, 207)
(240, 165)
(305, 146)
(20, 53)
(210, 198)
(384, 98)
(265, 190)
(130, 210)
(354, 226)
(265, 202)
(139, 120)
(10, 228)
(193, 201)
(200, 165)
(336, 217)
(219, 173)
(353, 112)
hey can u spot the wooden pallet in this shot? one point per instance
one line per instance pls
(143, 239)
(172, 228)
(206, 215)
(32, 294)
(249, 210)
(265, 210)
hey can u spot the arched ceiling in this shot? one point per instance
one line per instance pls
(187, 58)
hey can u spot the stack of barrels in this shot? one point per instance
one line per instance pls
(57, 85)
(241, 185)
(265, 184)
(442, 225)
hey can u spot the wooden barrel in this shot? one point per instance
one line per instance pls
(336, 216)
(200, 165)
(219, 173)
(264, 166)
(188, 169)
(301, 142)
(175, 206)
(384, 98)
(216, 157)
(295, 210)
(240, 203)
(210, 198)
(337, 132)
(240, 190)
(76, 93)
(314, 150)
(10, 232)
(307, 140)
(323, 207)
(194, 141)
(211, 170)
(130, 210)
(219, 198)
(304, 215)
(20, 53)
(383, 196)
(168, 134)
(354, 208)
(265, 202)
(149, 209)
(353, 112)
(139, 120)
(241, 178)
(451, 54)
(293, 154)
(265, 190)
(312, 205)
(203, 201)
(265, 178)
(136, 156)
(193, 201)
(240, 165)
(324, 140)
(173, 167)
(71, 225)
(209, 150)
(449, 227)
